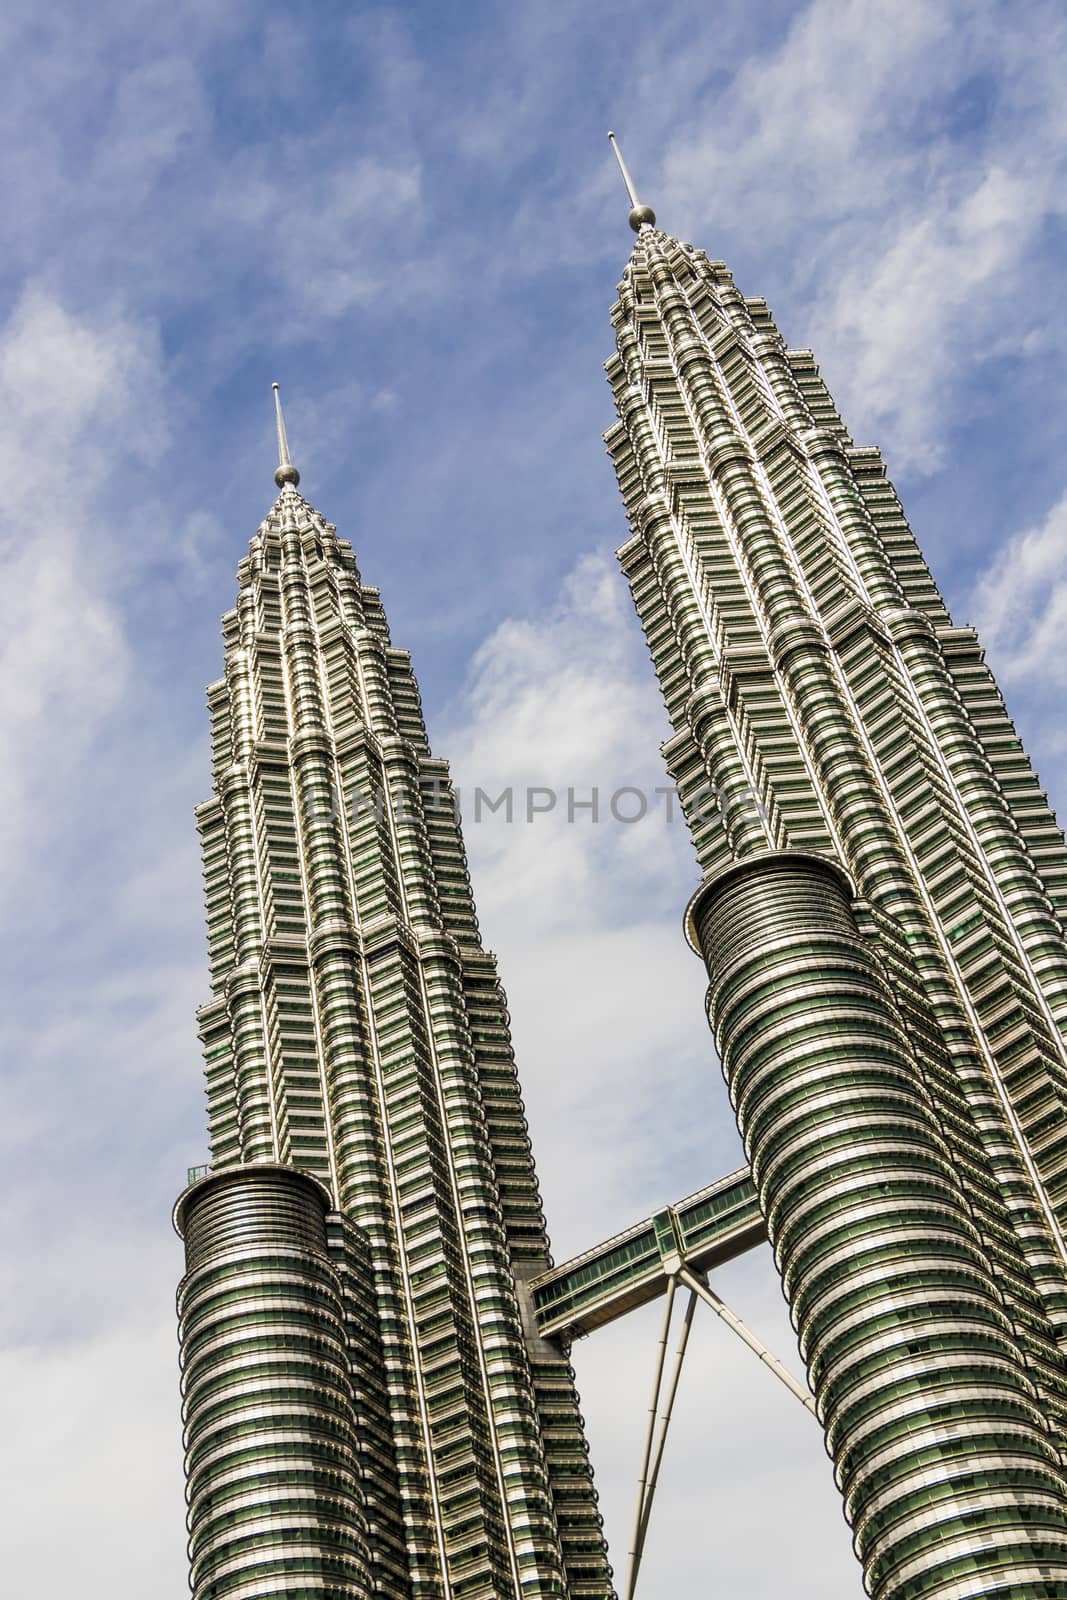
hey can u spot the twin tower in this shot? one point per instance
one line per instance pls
(377, 1394)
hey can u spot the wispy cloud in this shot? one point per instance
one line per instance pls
(79, 393)
(561, 706)
(1019, 605)
(901, 164)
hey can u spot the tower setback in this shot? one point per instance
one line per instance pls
(881, 919)
(369, 1408)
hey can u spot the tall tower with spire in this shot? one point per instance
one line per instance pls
(881, 916)
(370, 1409)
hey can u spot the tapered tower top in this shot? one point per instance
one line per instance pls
(285, 472)
(641, 216)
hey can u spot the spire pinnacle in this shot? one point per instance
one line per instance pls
(641, 216)
(286, 472)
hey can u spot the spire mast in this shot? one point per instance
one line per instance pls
(286, 472)
(640, 216)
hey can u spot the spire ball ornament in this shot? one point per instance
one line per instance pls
(285, 472)
(641, 216)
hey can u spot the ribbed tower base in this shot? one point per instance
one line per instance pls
(275, 1507)
(950, 1477)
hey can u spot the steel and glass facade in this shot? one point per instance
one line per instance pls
(377, 1395)
(881, 919)
(369, 1406)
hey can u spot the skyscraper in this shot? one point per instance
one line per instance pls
(369, 1407)
(375, 1397)
(881, 916)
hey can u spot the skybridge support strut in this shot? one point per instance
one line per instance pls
(652, 1456)
(734, 1323)
(674, 1247)
(650, 1431)
(647, 1489)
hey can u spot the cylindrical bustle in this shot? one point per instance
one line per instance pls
(951, 1482)
(275, 1506)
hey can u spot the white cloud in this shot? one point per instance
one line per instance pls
(160, 114)
(319, 226)
(90, 1422)
(136, 158)
(564, 705)
(565, 702)
(898, 164)
(902, 324)
(81, 396)
(99, 1031)
(1020, 604)
(626, 1106)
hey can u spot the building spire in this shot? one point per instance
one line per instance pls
(641, 216)
(286, 472)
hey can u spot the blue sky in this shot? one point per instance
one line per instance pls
(410, 217)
